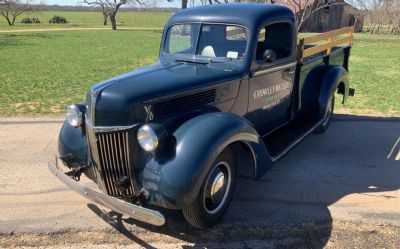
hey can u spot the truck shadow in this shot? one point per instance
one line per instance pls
(293, 204)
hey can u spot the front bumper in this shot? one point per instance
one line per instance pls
(131, 210)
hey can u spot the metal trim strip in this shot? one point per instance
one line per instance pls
(102, 129)
(274, 69)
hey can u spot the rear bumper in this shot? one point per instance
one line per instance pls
(131, 210)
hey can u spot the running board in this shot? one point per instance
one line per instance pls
(284, 139)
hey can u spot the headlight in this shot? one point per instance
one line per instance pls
(74, 116)
(147, 138)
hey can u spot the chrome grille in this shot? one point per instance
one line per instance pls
(111, 157)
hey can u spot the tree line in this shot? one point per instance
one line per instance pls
(382, 15)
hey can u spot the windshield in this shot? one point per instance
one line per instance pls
(208, 40)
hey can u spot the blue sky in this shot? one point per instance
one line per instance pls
(164, 3)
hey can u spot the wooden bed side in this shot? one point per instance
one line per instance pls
(331, 41)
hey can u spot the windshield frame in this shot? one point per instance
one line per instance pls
(194, 56)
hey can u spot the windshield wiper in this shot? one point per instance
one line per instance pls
(220, 59)
(191, 61)
(205, 61)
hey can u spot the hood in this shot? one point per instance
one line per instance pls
(118, 101)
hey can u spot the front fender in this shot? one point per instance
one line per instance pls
(72, 141)
(334, 76)
(199, 141)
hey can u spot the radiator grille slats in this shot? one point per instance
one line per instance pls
(113, 159)
(169, 107)
(103, 155)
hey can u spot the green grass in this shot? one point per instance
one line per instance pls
(90, 19)
(374, 73)
(41, 73)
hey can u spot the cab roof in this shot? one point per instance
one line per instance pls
(250, 15)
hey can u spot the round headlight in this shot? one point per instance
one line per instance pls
(74, 116)
(147, 138)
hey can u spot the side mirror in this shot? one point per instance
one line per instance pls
(269, 55)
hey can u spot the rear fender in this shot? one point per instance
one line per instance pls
(175, 182)
(334, 77)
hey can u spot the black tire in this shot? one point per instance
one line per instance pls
(328, 116)
(203, 212)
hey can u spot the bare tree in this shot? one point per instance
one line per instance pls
(304, 9)
(205, 2)
(383, 15)
(184, 4)
(106, 9)
(110, 8)
(394, 16)
(11, 9)
(106, 12)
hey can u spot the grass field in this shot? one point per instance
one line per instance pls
(40, 73)
(375, 74)
(90, 19)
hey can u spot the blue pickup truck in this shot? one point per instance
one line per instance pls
(228, 76)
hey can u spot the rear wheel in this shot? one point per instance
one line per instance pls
(327, 116)
(215, 194)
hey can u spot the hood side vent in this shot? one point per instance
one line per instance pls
(181, 103)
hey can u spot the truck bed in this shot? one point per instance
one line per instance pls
(339, 56)
(313, 48)
(315, 54)
(311, 70)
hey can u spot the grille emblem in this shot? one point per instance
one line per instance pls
(149, 112)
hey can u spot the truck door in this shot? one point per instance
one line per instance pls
(271, 86)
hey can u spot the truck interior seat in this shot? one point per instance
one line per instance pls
(208, 51)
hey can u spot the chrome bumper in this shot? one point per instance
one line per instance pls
(122, 207)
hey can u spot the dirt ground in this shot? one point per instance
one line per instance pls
(343, 235)
(336, 190)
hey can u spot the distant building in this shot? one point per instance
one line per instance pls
(333, 17)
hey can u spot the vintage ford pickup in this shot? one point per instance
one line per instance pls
(228, 75)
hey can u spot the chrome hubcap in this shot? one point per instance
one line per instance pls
(217, 188)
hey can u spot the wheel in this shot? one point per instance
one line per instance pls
(215, 194)
(328, 115)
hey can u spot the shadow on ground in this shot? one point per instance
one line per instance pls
(288, 207)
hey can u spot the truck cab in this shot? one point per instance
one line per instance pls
(228, 75)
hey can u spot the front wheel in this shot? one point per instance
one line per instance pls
(215, 194)
(328, 115)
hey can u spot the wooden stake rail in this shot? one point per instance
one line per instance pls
(329, 37)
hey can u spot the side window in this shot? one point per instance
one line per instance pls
(235, 33)
(261, 35)
(180, 39)
(278, 37)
